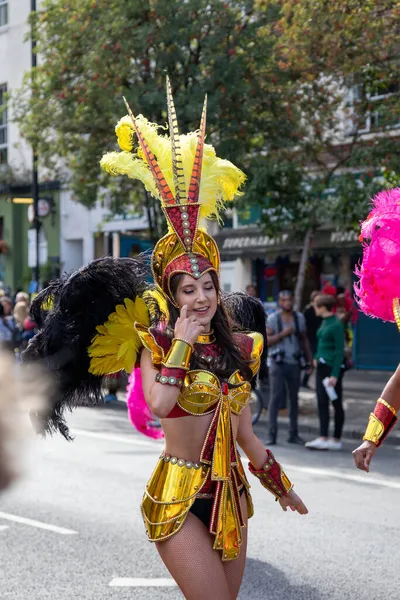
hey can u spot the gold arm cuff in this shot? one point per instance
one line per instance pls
(375, 429)
(179, 354)
(389, 406)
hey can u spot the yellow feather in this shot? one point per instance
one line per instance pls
(220, 179)
(116, 344)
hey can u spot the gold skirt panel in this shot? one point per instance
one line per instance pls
(173, 488)
(169, 495)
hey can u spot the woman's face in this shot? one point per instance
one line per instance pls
(200, 296)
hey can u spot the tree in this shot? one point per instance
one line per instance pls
(331, 50)
(94, 51)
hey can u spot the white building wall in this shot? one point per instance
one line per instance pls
(236, 274)
(77, 226)
(15, 59)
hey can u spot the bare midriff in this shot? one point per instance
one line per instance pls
(184, 436)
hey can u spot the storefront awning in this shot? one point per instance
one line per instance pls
(251, 243)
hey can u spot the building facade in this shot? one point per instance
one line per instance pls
(71, 235)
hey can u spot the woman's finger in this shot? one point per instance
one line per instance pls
(183, 311)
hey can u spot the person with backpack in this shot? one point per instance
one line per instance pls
(289, 353)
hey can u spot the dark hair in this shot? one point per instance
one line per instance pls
(326, 300)
(1, 310)
(232, 359)
(314, 294)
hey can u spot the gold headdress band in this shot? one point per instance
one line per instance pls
(165, 165)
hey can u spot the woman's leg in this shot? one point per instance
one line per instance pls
(234, 568)
(323, 400)
(196, 567)
(338, 407)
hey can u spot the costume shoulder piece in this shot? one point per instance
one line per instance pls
(154, 340)
(251, 345)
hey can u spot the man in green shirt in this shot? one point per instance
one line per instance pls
(329, 362)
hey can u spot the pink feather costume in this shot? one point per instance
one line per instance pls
(379, 273)
(138, 411)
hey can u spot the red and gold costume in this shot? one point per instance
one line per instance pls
(192, 184)
(218, 474)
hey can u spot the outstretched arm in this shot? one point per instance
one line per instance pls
(381, 422)
(260, 465)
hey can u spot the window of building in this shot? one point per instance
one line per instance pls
(381, 112)
(3, 126)
(3, 12)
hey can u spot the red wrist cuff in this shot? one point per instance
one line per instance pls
(171, 376)
(272, 476)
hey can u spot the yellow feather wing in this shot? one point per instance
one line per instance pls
(116, 344)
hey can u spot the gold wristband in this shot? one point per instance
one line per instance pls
(389, 406)
(375, 429)
(179, 354)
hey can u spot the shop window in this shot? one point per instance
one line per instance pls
(3, 12)
(3, 126)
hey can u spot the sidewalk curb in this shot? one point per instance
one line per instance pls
(353, 432)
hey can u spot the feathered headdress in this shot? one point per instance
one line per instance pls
(191, 182)
(378, 288)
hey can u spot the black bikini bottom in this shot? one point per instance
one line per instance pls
(202, 508)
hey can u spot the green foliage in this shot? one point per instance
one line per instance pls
(276, 72)
(94, 51)
(342, 58)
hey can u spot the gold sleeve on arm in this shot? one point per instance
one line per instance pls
(255, 355)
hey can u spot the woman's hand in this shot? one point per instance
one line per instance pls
(187, 328)
(332, 381)
(294, 502)
(363, 455)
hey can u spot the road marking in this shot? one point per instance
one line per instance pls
(116, 438)
(38, 524)
(138, 582)
(3, 527)
(340, 475)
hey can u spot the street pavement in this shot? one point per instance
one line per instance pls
(72, 530)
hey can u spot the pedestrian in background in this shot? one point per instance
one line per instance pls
(289, 352)
(313, 323)
(330, 370)
(251, 290)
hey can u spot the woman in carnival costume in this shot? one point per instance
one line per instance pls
(194, 362)
(378, 294)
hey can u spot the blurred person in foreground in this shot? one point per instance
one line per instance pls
(329, 358)
(378, 293)
(289, 352)
(21, 392)
(313, 323)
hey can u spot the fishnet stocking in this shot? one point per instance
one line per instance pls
(197, 568)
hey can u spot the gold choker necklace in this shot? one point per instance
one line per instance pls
(206, 338)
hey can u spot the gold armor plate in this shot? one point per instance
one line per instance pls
(169, 494)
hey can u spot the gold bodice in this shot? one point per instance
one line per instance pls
(202, 390)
